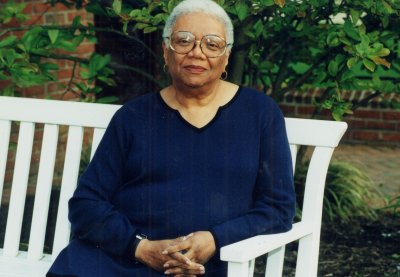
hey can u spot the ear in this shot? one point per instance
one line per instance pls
(227, 55)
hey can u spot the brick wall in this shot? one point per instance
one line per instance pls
(374, 123)
(42, 13)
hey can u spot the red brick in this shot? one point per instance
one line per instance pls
(365, 135)
(355, 123)
(381, 125)
(367, 114)
(28, 8)
(286, 109)
(33, 91)
(34, 19)
(391, 115)
(41, 8)
(305, 110)
(55, 18)
(4, 84)
(84, 49)
(60, 7)
(64, 74)
(54, 87)
(391, 137)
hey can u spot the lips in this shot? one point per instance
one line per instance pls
(196, 69)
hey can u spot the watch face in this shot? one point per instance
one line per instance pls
(141, 237)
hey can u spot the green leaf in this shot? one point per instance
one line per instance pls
(376, 81)
(258, 28)
(76, 22)
(387, 6)
(108, 99)
(333, 40)
(149, 29)
(135, 13)
(242, 10)
(117, 6)
(351, 31)
(351, 62)
(369, 64)
(107, 81)
(53, 35)
(383, 52)
(355, 15)
(333, 68)
(7, 41)
(3, 77)
(267, 3)
(320, 77)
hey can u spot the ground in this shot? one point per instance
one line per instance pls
(356, 249)
(361, 248)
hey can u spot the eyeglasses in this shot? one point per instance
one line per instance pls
(183, 42)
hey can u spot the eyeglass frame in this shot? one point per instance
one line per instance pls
(198, 42)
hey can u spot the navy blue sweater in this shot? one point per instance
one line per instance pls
(156, 174)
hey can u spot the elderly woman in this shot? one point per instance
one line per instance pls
(184, 171)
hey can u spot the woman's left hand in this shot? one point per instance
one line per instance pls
(198, 247)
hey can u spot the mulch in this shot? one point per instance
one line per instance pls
(359, 248)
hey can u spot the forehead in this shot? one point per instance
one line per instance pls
(200, 24)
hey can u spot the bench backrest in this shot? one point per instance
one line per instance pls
(53, 114)
(78, 116)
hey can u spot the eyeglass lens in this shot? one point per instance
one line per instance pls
(211, 45)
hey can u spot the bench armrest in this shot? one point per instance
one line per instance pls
(251, 248)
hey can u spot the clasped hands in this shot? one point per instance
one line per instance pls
(180, 257)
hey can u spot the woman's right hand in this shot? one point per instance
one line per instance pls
(149, 252)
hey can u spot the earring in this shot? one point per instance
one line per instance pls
(224, 75)
(165, 68)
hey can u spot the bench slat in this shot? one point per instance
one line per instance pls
(5, 131)
(97, 135)
(68, 185)
(18, 189)
(43, 191)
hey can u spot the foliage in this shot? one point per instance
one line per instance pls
(349, 192)
(294, 45)
(335, 45)
(393, 206)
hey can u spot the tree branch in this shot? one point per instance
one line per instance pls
(111, 64)
(366, 100)
(68, 88)
(96, 29)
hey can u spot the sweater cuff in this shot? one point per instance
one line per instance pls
(131, 248)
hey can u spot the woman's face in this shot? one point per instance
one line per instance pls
(194, 69)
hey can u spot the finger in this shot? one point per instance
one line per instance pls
(172, 263)
(186, 270)
(186, 237)
(177, 247)
(179, 260)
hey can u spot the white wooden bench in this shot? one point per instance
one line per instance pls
(51, 114)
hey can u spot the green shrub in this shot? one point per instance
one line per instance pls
(349, 192)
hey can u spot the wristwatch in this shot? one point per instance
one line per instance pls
(138, 239)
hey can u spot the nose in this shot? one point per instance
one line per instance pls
(196, 50)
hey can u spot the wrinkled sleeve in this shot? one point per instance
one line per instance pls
(93, 217)
(274, 197)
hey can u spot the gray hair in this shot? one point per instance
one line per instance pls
(204, 6)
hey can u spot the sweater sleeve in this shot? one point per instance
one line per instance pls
(92, 215)
(274, 197)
